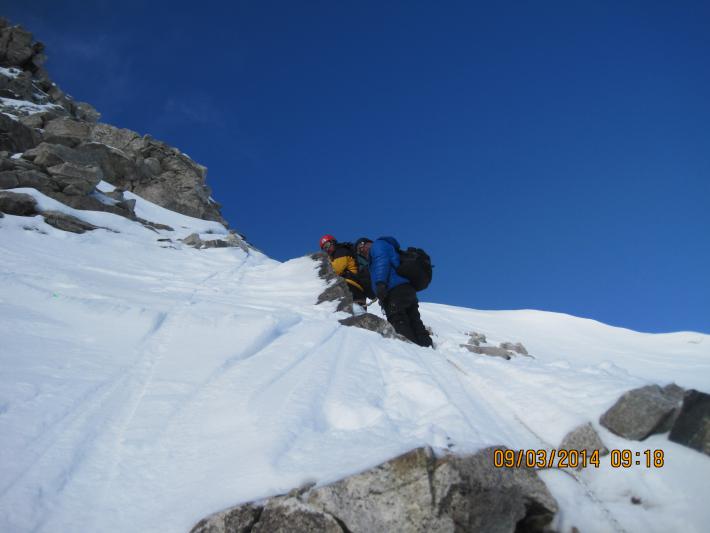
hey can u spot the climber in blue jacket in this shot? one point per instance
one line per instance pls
(397, 296)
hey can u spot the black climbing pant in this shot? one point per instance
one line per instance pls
(402, 309)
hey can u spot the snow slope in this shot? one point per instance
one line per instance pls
(146, 384)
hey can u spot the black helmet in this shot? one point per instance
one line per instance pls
(361, 241)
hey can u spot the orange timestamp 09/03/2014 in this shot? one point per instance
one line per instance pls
(504, 458)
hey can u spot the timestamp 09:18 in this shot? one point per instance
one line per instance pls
(576, 458)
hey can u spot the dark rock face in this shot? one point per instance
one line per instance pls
(415, 492)
(15, 203)
(337, 290)
(692, 427)
(642, 412)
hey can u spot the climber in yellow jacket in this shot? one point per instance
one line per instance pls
(342, 257)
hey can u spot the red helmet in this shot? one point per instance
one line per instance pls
(324, 239)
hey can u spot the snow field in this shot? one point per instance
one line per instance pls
(144, 386)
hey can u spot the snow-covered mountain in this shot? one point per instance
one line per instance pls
(147, 382)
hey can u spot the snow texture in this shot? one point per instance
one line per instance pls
(23, 107)
(145, 386)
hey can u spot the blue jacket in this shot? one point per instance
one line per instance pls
(384, 260)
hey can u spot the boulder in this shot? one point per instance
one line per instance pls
(286, 515)
(66, 222)
(692, 426)
(8, 179)
(15, 46)
(122, 139)
(118, 169)
(33, 178)
(35, 121)
(514, 347)
(476, 339)
(238, 520)
(86, 112)
(495, 351)
(641, 412)
(232, 240)
(506, 350)
(373, 323)
(92, 203)
(76, 180)
(66, 131)
(15, 136)
(17, 203)
(415, 492)
(47, 155)
(676, 394)
(584, 437)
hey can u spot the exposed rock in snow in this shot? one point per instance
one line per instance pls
(641, 412)
(66, 222)
(692, 427)
(514, 347)
(231, 240)
(373, 323)
(338, 288)
(415, 492)
(19, 204)
(506, 350)
(584, 437)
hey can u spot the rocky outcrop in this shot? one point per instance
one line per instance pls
(24, 205)
(337, 289)
(232, 240)
(416, 492)
(642, 412)
(64, 142)
(692, 426)
(477, 343)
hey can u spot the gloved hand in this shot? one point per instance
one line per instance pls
(381, 291)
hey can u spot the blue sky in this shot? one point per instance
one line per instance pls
(549, 155)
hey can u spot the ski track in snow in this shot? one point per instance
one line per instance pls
(147, 387)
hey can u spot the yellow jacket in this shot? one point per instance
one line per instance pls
(345, 265)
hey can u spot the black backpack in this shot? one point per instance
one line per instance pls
(415, 265)
(363, 273)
